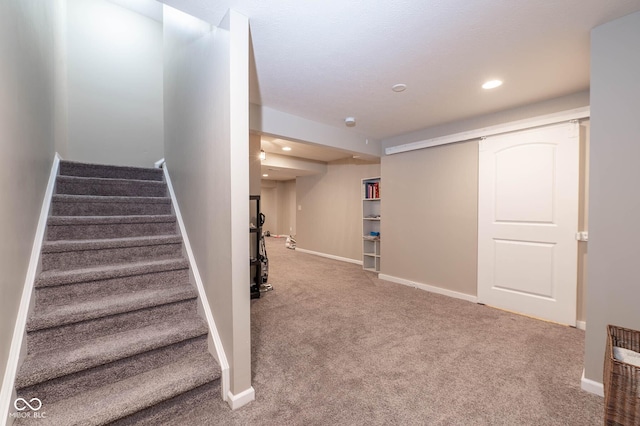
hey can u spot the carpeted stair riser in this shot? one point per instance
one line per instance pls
(79, 205)
(91, 257)
(131, 394)
(109, 187)
(66, 293)
(67, 334)
(69, 385)
(84, 228)
(69, 168)
(175, 411)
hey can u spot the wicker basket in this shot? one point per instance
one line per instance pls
(621, 380)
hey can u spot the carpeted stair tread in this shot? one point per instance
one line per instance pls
(92, 227)
(62, 277)
(47, 365)
(103, 220)
(53, 316)
(76, 185)
(79, 245)
(73, 168)
(123, 398)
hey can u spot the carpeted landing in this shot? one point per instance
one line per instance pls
(114, 334)
(333, 345)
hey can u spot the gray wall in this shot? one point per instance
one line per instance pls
(613, 293)
(202, 161)
(114, 85)
(429, 218)
(330, 221)
(279, 206)
(26, 142)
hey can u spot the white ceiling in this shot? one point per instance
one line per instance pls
(325, 60)
(302, 150)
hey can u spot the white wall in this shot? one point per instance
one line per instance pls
(207, 155)
(278, 203)
(27, 87)
(114, 85)
(613, 291)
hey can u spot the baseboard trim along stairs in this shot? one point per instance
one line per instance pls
(113, 332)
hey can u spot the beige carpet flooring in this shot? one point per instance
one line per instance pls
(333, 345)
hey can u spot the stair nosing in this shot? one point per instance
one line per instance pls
(105, 272)
(107, 349)
(56, 316)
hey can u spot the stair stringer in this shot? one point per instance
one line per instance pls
(18, 351)
(215, 342)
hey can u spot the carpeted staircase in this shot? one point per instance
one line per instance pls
(114, 335)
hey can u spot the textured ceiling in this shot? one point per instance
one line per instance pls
(325, 60)
(302, 150)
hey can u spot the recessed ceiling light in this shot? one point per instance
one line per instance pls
(492, 84)
(265, 175)
(286, 148)
(399, 87)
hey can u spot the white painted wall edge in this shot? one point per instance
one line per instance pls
(217, 341)
(543, 120)
(23, 310)
(582, 325)
(330, 256)
(429, 288)
(241, 399)
(591, 386)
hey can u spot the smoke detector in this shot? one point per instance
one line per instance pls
(350, 121)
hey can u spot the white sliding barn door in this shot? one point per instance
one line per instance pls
(527, 222)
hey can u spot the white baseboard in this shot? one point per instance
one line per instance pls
(591, 386)
(241, 399)
(582, 325)
(202, 296)
(429, 288)
(330, 256)
(15, 352)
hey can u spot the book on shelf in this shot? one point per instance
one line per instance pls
(372, 190)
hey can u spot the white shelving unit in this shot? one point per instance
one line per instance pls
(371, 224)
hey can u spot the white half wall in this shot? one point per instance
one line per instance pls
(207, 155)
(27, 127)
